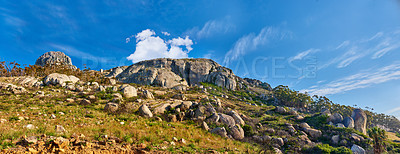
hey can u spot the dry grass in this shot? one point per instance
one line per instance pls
(93, 122)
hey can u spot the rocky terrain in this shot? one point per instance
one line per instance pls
(171, 106)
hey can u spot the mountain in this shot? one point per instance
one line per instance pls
(173, 106)
(180, 73)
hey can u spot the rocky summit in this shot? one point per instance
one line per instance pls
(174, 106)
(178, 73)
(54, 58)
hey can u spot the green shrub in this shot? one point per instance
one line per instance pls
(248, 130)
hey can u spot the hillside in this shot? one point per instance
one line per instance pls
(172, 105)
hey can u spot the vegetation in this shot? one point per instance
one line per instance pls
(379, 137)
(290, 97)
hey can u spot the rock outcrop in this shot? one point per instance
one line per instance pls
(60, 79)
(170, 73)
(360, 120)
(55, 58)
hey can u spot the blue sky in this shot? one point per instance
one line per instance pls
(347, 50)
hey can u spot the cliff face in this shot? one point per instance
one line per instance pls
(177, 72)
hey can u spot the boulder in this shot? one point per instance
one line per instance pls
(162, 108)
(360, 120)
(280, 110)
(221, 131)
(278, 141)
(148, 94)
(30, 140)
(60, 79)
(185, 105)
(238, 119)
(236, 132)
(144, 111)
(129, 91)
(205, 126)
(314, 133)
(340, 125)
(55, 58)
(111, 107)
(335, 139)
(226, 119)
(357, 149)
(304, 125)
(336, 118)
(60, 129)
(348, 122)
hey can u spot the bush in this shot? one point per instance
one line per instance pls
(327, 149)
(248, 130)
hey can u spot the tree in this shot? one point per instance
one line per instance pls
(379, 136)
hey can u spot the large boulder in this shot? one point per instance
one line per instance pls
(129, 91)
(237, 117)
(236, 132)
(148, 94)
(226, 119)
(60, 79)
(360, 120)
(162, 108)
(145, 111)
(111, 107)
(55, 58)
(348, 122)
(336, 118)
(314, 133)
(357, 149)
(221, 131)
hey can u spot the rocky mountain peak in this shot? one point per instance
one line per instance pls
(54, 58)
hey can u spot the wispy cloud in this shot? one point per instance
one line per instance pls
(252, 41)
(397, 109)
(362, 79)
(375, 47)
(303, 54)
(212, 27)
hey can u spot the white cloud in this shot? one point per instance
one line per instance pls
(344, 44)
(251, 42)
(166, 33)
(393, 110)
(212, 27)
(149, 46)
(362, 79)
(303, 54)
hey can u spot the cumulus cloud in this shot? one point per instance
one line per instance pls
(252, 41)
(150, 46)
(166, 33)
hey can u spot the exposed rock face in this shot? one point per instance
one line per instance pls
(170, 73)
(55, 58)
(360, 120)
(59, 79)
